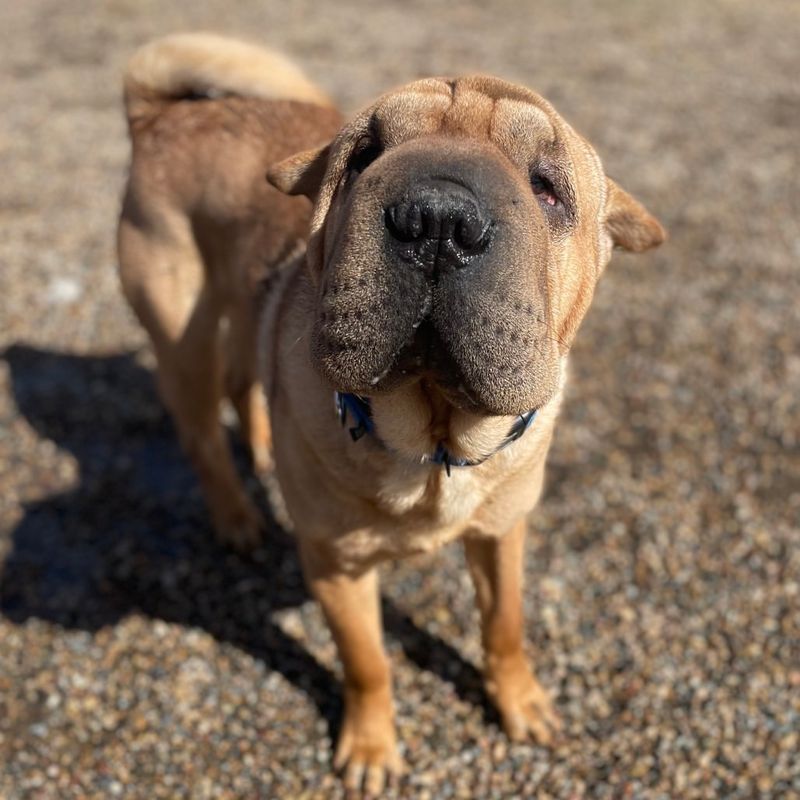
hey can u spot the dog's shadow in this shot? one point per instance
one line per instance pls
(133, 536)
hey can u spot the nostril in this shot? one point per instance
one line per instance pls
(405, 221)
(415, 221)
(471, 232)
(390, 221)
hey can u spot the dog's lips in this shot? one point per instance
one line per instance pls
(425, 357)
(428, 358)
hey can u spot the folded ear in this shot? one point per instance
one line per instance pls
(301, 173)
(629, 224)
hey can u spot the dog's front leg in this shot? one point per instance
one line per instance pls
(496, 566)
(367, 746)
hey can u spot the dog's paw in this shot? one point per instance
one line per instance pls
(366, 752)
(240, 527)
(367, 766)
(525, 707)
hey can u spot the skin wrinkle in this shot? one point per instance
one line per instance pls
(279, 298)
(512, 363)
(490, 120)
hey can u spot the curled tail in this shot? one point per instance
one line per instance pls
(203, 64)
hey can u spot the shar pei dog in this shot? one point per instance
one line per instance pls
(388, 302)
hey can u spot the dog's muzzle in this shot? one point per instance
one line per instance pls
(437, 225)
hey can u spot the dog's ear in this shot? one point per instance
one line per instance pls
(629, 224)
(301, 173)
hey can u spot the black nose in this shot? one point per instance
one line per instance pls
(440, 217)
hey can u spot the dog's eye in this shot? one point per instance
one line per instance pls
(363, 155)
(543, 188)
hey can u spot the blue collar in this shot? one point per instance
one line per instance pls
(360, 412)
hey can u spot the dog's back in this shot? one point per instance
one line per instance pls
(207, 116)
(200, 227)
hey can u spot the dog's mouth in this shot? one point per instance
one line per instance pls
(426, 358)
(479, 349)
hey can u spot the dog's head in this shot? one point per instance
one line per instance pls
(458, 232)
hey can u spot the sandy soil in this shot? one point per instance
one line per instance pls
(139, 660)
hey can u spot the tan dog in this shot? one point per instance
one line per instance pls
(458, 230)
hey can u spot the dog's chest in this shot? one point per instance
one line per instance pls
(422, 510)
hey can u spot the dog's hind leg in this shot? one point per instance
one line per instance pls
(242, 385)
(164, 280)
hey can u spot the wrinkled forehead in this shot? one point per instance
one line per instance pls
(513, 118)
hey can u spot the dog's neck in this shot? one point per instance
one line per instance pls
(444, 436)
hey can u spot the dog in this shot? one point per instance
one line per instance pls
(401, 294)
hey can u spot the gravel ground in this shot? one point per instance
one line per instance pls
(140, 660)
